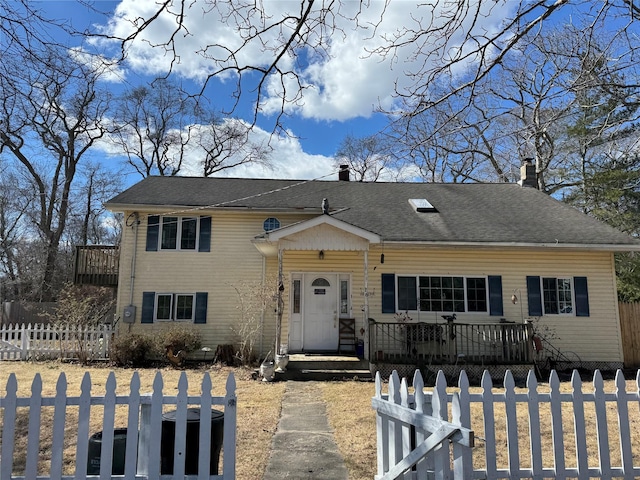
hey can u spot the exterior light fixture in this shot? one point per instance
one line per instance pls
(321, 255)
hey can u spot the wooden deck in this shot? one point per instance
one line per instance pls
(97, 265)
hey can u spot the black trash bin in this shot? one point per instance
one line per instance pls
(119, 448)
(193, 441)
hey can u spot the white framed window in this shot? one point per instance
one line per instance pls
(296, 296)
(179, 233)
(557, 295)
(345, 296)
(174, 307)
(442, 293)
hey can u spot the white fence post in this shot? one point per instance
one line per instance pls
(494, 408)
(22, 342)
(143, 451)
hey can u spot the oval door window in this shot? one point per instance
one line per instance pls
(320, 282)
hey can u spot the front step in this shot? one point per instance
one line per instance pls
(303, 367)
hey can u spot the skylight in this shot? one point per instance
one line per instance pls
(421, 205)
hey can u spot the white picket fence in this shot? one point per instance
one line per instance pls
(45, 341)
(538, 432)
(69, 424)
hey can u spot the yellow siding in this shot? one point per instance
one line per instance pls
(593, 338)
(233, 260)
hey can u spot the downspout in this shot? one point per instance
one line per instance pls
(264, 269)
(133, 257)
(280, 304)
(366, 302)
(132, 278)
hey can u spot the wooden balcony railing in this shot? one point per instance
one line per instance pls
(97, 265)
(502, 343)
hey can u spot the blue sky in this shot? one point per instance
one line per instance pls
(345, 86)
(318, 131)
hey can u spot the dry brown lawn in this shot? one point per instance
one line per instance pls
(258, 407)
(348, 406)
(353, 420)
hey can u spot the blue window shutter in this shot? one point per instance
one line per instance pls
(201, 307)
(148, 302)
(204, 243)
(582, 296)
(388, 293)
(495, 295)
(534, 296)
(153, 230)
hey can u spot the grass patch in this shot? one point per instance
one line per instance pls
(348, 405)
(258, 407)
(354, 424)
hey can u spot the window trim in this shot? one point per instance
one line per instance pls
(543, 291)
(179, 226)
(174, 307)
(342, 279)
(487, 311)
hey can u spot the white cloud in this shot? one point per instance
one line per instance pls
(108, 70)
(288, 160)
(345, 83)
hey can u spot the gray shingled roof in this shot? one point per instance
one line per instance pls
(472, 212)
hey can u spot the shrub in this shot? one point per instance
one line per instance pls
(254, 300)
(180, 338)
(79, 307)
(132, 350)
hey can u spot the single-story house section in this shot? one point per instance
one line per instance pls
(346, 258)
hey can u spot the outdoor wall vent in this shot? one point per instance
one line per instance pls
(422, 205)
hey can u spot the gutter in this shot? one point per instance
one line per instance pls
(604, 247)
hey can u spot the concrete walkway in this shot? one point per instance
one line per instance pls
(303, 446)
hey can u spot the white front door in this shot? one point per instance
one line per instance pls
(320, 312)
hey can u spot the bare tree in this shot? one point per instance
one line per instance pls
(25, 31)
(228, 144)
(13, 211)
(51, 114)
(368, 157)
(153, 126)
(444, 40)
(304, 29)
(555, 85)
(160, 128)
(89, 222)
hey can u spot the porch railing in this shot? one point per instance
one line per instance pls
(501, 343)
(97, 265)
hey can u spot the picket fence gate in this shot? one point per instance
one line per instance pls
(429, 434)
(143, 429)
(45, 341)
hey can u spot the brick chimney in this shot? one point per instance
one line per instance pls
(528, 177)
(343, 174)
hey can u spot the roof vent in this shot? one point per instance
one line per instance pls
(422, 205)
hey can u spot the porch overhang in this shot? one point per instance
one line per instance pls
(323, 232)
